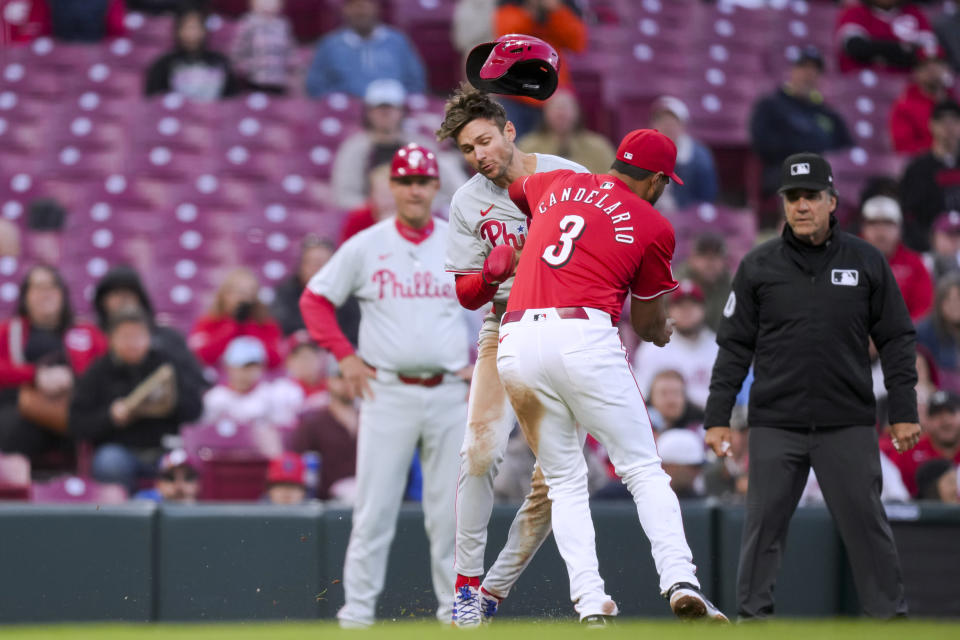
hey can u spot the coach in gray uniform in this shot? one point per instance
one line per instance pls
(802, 310)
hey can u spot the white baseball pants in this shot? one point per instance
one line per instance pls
(490, 420)
(398, 419)
(558, 372)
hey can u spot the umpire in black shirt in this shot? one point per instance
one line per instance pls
(802, 310)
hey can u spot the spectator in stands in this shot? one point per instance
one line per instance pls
(939, 333)
(695, 166)
(944, 254)
(307, 366)
(120, 289)
(383, 133)
(556, 21)
(236, 311)
(691, 350)
(882, 224)
(86, 20)
(707, 267)
(331, 431)
(42, 349)
(947, 28)
(937, 480)
(44, 238)
(245, 397)
(472, 24)
(931, 182)
(726, 478)
(128, 400)
(69, 20)
(314, 253)
(191, 69)
(9, 239)
(884, 35)
(378, 206)
(940, 439)
(361, 51)
(562, 133)
(176, 481)
(154, 7)
(286, 477)
(683, 455)
(910, 115)
(667, 403)
(795, 119)
(263, 47)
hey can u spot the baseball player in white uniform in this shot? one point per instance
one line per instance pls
(411, 369)
(482, 217)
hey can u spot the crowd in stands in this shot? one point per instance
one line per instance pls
(216, 153)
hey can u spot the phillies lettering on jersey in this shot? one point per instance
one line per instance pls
(423, 284)
(591, 240)
(482, 216)
(410, 317)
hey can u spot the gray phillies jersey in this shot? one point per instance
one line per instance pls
(482, 216)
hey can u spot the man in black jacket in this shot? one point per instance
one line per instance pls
(802, 310)
(795, 118)
(128, 400)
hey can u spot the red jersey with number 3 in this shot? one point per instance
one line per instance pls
(591, 240)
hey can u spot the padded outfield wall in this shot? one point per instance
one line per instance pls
(210, 562)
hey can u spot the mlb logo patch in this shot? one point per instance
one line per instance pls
(628, 155)
(607, 185)
(539, 316)
(845, 277)
(800, 169)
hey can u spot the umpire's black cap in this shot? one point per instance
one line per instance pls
(805, 171)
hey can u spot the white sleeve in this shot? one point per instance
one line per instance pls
(340, 277)
(465, 251)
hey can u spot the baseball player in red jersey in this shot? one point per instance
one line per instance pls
(593, 239)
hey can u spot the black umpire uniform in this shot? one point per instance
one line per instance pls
(803, 314)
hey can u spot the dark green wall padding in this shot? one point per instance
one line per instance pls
(211, 562)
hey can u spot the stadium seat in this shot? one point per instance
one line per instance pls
(232, 459)
(14, 477)
(71, 489)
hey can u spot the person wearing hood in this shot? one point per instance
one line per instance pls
(191, 69)
(121, 289)
(128, 400)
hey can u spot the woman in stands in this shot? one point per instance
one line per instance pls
(42, 350)
(191, 69)
(236, 311)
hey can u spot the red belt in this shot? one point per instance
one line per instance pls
(565, 313)
(432, 381)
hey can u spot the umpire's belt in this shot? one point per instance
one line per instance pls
(564, 313)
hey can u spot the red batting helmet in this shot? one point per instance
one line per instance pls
(515, 64)
(414, 160)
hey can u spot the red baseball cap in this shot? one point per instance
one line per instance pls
(287, 469)
(647, 149)
(687, 289)
(414, 160)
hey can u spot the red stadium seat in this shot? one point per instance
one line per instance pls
(71, 489)
(232, 459)
(14, 477)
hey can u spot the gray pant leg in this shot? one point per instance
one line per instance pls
(847, 463)
(779, 466)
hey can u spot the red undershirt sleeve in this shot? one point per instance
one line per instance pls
(320, 316)
(473, 292)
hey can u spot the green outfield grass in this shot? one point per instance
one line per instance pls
(625, 629)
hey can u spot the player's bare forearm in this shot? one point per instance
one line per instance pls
(649, 319)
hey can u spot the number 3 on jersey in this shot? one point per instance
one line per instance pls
(557, 255)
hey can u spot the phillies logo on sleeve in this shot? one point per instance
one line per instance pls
(495, 232)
